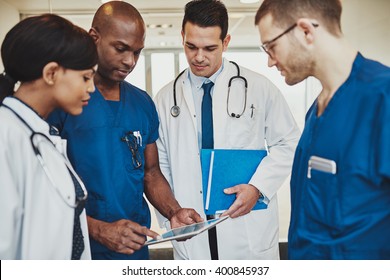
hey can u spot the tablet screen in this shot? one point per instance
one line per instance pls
(186, 231)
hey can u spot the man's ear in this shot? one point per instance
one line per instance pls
(225, 42)
(182, 37)
(94, 34)
(307, 26)
(50, 73)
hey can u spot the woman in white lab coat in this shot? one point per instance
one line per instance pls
(265, 124)
(41, 198)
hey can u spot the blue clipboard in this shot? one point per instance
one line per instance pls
(228, 168)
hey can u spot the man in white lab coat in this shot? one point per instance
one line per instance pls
(265, 122)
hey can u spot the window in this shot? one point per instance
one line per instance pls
(163, 70)
(137, 77)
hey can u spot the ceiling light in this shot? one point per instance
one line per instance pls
(152, 25)
(105, 1)
(164, 26)
(249, 1)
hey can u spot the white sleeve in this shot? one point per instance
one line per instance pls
(282, 135)
(11, 205)
(163, 159)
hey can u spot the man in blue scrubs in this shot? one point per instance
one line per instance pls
(112, 144)
(340, 184)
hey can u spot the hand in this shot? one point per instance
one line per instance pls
(246, 198)
(123, 236)
(185, 216)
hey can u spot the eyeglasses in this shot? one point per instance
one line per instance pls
(266, 45)
(133, 141)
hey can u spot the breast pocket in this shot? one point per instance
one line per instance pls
(242, 130)
(322, 203)
(133, 148)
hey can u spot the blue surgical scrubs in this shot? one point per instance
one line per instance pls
(104, 162)
(345, 215)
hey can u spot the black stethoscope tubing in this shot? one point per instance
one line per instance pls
(175, 110)
(42, 163)
(233, 115)
(33, 133)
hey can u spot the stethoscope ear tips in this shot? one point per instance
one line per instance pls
(233, 115)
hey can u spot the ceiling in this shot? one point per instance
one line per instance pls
(154, 12)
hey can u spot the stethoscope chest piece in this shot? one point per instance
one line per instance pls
(175, 111)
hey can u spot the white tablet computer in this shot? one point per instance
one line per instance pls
(186, 231)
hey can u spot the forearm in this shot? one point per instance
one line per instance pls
(159, 193)
(94, 228)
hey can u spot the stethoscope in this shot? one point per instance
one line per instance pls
(175, 110)
(34, 139)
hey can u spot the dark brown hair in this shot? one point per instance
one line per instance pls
(287, 12)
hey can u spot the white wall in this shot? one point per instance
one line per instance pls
(366, 24)
(9, 17)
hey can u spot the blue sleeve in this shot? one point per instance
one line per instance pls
(383, 147)
(154, 123)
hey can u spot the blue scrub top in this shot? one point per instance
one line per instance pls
(104, 162)
(345, 215)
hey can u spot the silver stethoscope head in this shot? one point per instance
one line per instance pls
(175, 111)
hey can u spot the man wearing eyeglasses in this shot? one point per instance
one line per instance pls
(112, 144)
(340, 183)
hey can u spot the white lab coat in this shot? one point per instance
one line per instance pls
(270, 126)
(36, 223)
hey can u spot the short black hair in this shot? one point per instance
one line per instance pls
(207, 13)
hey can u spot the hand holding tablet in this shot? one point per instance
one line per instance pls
(186, 232)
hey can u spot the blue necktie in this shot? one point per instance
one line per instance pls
(78, 238)
(208, 143)
(207, 117)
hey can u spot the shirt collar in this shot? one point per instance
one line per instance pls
(35, 122)
(27, 114)
(198, 81)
